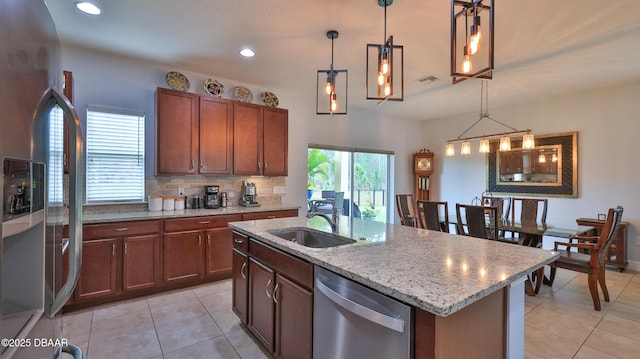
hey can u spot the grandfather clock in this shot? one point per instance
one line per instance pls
(423, 167)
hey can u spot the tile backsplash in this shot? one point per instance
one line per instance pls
(168, 186)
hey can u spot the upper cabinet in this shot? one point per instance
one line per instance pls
(177, 131)
(214, 136)
(260, 140)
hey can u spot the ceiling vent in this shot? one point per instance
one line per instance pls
(427, 79)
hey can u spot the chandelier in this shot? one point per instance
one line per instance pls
(331, 89)
(528, 141)
(477, 45)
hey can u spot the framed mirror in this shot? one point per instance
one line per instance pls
(550, 169)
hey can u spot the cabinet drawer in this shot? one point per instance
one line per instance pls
(294, 268)
(240, 242)
(120, 229)
(190, 223)
(270, 215)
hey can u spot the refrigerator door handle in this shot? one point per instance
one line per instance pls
(76, 175)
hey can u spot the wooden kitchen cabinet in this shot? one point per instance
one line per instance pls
(216, 136)
(260, 140)
(142, 264)
(177, 115)
(294, 319)
(261, 305)
(197, 248)
(240, 283)
(275, 134)
(183, 257)
(280, 301)
(100, 268)
(218, 262)
(618, 250)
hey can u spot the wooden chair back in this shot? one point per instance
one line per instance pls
(608, 235)
(503, 204)
(477, 221)
(406, 206)
(433, 215)
(529, 210)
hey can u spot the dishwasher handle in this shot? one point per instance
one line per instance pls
(361, 310)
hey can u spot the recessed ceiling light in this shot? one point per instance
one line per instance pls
(247, 52)
(88, 8)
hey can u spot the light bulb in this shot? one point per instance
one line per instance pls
(505, 143)
(451, 150)
(484, 146)
(387, 90)
(474, 43)
(466, 148)
(466, 64)
(476, 35)
(380, 79)
(334, 102)
(385, 66)
(328, 88)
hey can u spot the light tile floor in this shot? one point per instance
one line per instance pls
(198, 323)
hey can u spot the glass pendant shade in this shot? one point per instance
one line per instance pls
(466, 148)
(528, 142)
(484, 146)
(542, 158)
(554, 158)
(451, 150)
(505, 143)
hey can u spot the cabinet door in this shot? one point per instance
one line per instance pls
(261, 305)
(177, 129)
(294, 319)
(141, 263)
(183, 256)
(218, 253)
(276, 140)
(240, 283)
(216, 136)
(99, 274)
(247, 139)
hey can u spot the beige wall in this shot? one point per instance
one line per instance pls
(608, 125)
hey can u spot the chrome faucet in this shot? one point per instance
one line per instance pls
(334, 220)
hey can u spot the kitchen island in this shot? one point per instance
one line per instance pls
(468, 293)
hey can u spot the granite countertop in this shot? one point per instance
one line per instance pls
(437, 272)
(136, 215)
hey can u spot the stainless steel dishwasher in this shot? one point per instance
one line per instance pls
(353, 321)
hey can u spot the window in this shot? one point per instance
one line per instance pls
(115, 155)
(363, 175)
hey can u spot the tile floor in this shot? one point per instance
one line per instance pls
(198, 323)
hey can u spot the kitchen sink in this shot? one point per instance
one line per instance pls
(311, 238)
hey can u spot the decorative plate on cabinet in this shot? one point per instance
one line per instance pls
(177, 81)
(269, 99)
(241, 93)
(214, 88)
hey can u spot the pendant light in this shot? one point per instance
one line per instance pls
(385, 67)
(477, 46)
(331, 87)
(528, 140)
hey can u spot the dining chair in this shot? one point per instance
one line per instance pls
(433, 215)
(406, 207)
(527, 211)
(593, 261)
(476, 221)
(503, 205)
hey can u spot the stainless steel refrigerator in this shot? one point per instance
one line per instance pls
(37, 197)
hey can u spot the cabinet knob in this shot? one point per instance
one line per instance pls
(242, 274)
(275, 291)
(121, 229)
(267, 288)
(204, 222)
(239, 241)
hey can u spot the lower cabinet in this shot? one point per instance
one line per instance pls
(218, 260)
(279, 292)
(100, 267)
(141, 262)
(182, 256)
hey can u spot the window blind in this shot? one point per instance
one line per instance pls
(115, 155)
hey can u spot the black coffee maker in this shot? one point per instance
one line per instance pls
(211, 197)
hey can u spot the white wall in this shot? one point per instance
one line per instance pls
(109, 80)
(608, 147)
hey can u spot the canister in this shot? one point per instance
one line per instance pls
(168, 203)
(155, 203)
(179, 203)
